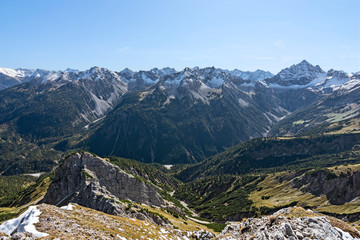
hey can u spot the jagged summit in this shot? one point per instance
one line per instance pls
(258, 75)
(290, 223)
(300, 74)
(93, 182)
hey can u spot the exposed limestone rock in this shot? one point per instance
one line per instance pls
(95, 183)
(292, 224)
(338, 189)
(18, 236)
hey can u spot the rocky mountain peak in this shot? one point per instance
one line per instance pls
(302, 73)
(93, 182)
(164, 71)
(258, 75)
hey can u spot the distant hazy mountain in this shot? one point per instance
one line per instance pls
(10, 77)
(56, 103)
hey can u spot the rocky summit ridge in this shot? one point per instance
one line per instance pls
(290, 223)
(75, 221)
(95, 183)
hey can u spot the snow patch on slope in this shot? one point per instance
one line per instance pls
(12, 73)
(68, 207)
(24, 223)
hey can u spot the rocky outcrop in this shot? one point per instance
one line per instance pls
(338, 189)
(290, 223)
(95, 183)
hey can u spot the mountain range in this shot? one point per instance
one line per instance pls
(169, 116)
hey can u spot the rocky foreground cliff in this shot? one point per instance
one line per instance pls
(74, 222)
(93, 182)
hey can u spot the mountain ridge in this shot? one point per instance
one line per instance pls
(155, 115)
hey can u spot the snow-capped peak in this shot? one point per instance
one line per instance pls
(16, 73)
(127, 71)
(299, 74)
(252, 76)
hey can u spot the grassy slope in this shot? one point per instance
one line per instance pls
(234, 197)
(30, 193)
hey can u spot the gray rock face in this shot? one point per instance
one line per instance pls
(284, 226)
(18, 236)
(338, 189)
(95, 183)
(299, 74)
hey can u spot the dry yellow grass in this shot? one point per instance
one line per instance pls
(180, 223)
(352, 126)
(86, 223)
(345, 169)
(282, 193)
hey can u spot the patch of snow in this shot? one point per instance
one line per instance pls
(34, 174)
(252, 76)
(168, 166)
(350, 85)
(24, 223)
(148, 80)
(264, 84)
(122, 238)
(52, 76)
(176, 80)
(315, 82)
(168, 70)
(68, 207)
(13, 73)
(344, 235)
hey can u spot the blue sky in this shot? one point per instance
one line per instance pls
(142, 34)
